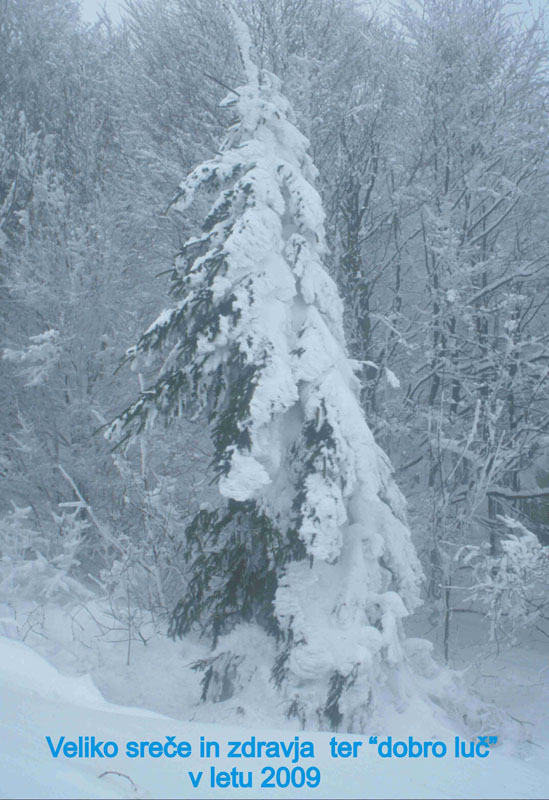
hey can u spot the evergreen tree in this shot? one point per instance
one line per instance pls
(311, 544)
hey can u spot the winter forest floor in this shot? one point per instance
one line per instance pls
(513, 677)
(62, 680)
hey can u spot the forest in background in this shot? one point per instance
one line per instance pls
(429, 129)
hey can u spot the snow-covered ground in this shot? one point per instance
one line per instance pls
(37, 700)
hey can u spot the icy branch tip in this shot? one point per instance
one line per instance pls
(244, 43)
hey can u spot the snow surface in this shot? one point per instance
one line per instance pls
(37, 701)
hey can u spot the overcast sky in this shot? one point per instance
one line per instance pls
(90, 8)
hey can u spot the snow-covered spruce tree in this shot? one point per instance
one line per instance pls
(311, 543)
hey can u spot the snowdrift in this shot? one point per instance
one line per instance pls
(36, 701)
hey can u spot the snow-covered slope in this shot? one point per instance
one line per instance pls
(37, 701)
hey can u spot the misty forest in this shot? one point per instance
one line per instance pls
(274, 358)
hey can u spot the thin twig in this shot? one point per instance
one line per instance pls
(224, 85)
(121, 774)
